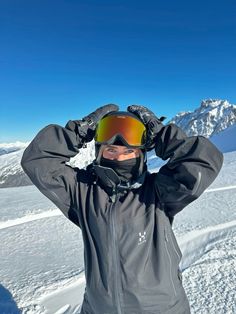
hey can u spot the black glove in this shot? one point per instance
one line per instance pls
(151, 122)
(86, 127)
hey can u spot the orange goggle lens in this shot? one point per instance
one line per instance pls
(130, 129)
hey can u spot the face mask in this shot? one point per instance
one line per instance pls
(126, 169)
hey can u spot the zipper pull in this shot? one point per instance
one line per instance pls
(113, 197)
(165, 233)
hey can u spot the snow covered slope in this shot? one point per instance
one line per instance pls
(11, 173)
(6, 148)
(212, 117)
(226, 140)
(41, 256)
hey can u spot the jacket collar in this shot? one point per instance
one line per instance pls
(111, 181)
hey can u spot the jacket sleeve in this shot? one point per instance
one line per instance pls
(44, 161)
(194, 163)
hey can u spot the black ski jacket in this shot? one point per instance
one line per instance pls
(131, 255)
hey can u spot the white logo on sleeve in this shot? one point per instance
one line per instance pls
(142, 237)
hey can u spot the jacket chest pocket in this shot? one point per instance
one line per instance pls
(136, 232)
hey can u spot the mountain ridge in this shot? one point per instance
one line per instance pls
(212, 117)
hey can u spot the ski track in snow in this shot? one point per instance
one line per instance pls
(29, 218)
(73, 294)
(230, 187)
(196, 243)
(54, 213)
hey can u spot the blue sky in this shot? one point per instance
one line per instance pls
(60, 60)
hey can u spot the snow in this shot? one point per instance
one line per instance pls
(41, 255)
(196, 243)
(225, 140)
(12, 175)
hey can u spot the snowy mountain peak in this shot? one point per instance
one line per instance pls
(212, 117)
(213, 103)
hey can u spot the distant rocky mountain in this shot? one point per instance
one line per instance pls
(212, 117)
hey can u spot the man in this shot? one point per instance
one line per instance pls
(131, 256)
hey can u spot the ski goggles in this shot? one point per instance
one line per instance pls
(128, 129)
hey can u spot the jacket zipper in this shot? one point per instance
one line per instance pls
(175, 248)
(114, 254)
(169, 257)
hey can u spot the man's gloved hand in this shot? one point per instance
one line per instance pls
(86, 126)
(151, 122)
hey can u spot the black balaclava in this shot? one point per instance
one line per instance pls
(126, 169)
